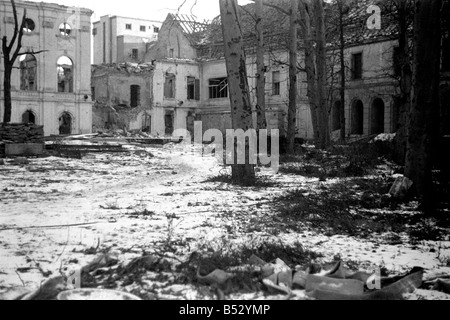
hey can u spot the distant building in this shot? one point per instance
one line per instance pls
(119, 39)
(189, 77)
(51, 88)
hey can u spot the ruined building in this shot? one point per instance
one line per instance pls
(50, 88)
(119, 39)
(189, 77)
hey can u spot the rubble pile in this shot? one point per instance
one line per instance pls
(21, 133)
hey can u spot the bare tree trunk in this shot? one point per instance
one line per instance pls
(241, 110)
(292, 109)
(310, 67)
(342, 71)
(8, 59)
(260, 65)
(404, 100)
(7, 94)
(324, 130)
(425, 99)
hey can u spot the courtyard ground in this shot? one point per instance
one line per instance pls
(162, 222)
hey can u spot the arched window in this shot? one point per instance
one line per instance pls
(28, 117)
(65, 74)
(357, 117)
(377, 116)
(29, 25)
(28, 72)
(65, 123)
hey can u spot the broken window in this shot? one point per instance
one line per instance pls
(29, 25)
(169, 86)
(218, 88)
(143, 28)
(128, 26)
(135, 96)
(193, 88)
(65, 29)
(155, 29)
(28, 73)
(357, 66)
(134, 54)
(276, 84)
(357, 117)
(28, 117)
(65, 74)
(377, 116)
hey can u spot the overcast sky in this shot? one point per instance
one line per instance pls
(146, 9)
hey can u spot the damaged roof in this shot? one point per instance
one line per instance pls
(276, 26)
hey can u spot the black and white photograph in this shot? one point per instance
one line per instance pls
(246, 151)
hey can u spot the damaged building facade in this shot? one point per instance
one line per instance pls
(122, 96)
(50, 88)
(189, 78)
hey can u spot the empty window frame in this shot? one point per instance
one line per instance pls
(218, 88)
(128, 26)
(134, 54)
(143, 28)
(276, 83)
(28, 73)
(94, 31)
(357, 66)
(29, 25)
(65, 29)
(135, 96)
(155, 29)
(171, 53)
(65, 74)
(193, 88)
(169, 86)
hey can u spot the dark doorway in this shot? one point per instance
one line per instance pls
(28, 117)
(357, 117)
(135, 96)
(190, 119)
(168, 121)
(336, 116)
(377, 116)
(65, 123)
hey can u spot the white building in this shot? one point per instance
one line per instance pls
(119, 39)
(51, 88)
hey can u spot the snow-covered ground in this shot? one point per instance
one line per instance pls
(55, 211)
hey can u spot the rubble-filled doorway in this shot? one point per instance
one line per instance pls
(377, 116)
(357, 117)
(65, 124)
(28, 117)
(168, 121)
